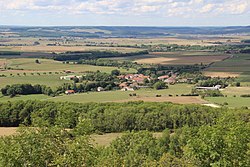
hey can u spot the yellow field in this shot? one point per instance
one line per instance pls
(221, 74)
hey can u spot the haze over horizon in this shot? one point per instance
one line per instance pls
(125, 12)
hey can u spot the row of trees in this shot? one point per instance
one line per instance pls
(79, 55)
(110, 63)
(25, 89)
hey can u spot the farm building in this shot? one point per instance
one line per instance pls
(70, 77)
(100, 89)
(124, 84)
(217, 87)
(127, 89)
(163, 77)
(171, 81)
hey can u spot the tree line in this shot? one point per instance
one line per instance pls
(111, 117)
(25, 89)
(78, 55)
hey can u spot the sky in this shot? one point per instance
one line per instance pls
(125, 12)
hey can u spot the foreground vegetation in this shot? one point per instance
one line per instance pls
(192, 135)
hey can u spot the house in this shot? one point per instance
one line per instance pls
(127, 89)
(171, 81)
(121, 76)
(68, 92)
(138, 80)
(124, 84)
(100, 89)
(163, 77)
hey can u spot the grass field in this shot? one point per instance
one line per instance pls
(237, 91)
(48, 65)
(120, 96)
(233, 97)
(233, 102)
(50, 80)
(178, 58)
(25, 70)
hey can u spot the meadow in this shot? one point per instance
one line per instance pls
(146, 94)
(232, 102)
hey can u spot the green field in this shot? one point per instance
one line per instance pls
(232, 97)
(25, 70)
(28, 65)
(110, 96)
(50, 80)
(233, 102)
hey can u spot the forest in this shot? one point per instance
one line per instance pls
(193, 136)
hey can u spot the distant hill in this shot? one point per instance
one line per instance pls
(123, 31)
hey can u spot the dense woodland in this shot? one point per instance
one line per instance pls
(94, 55)
(192, 135)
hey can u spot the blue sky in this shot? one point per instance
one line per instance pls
(125, 12)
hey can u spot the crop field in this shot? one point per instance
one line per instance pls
(239, 64)
(178, 58)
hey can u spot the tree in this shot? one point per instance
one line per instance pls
(224, 144)
(115, 72)
(46, 147)
(37, 61)
(160, 85)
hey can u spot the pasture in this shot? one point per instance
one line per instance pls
(120, 96)
(48, 72)
(233, 102)
(48, 65)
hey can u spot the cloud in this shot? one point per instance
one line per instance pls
(162, 8)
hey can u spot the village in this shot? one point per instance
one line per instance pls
(133, 82)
